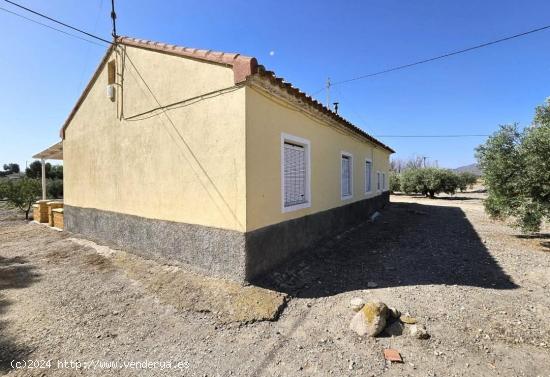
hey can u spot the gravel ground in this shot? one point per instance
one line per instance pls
(481, 291)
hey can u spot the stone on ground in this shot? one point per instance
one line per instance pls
(370, 320)
(419, 331)
(406, 318)
(394, 312)
(357, 303)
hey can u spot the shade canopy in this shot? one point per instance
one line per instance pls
(55, 152)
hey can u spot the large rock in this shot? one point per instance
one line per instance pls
(370, 320)
(357, 303)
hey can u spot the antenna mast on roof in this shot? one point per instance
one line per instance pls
(328, 92)
(113, 16)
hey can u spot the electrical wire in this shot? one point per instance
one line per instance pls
(57, 22)
(332, 84)
(404, 66)
(50, 27)
(86, 53)
(443, 56)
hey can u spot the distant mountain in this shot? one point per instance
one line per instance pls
(472, 168)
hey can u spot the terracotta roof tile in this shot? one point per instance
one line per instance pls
(279, 81)
(243, 67)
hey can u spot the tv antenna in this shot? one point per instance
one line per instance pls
(113, 16)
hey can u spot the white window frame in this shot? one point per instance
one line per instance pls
(342, 196)
(367, 189)
(378, 181)
(307, 146)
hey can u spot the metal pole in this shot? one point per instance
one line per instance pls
(328, 92)
(113, 16)
(43, 179)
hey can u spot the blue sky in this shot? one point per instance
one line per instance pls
(43, 72)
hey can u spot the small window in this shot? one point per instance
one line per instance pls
(295, 173)
(378, 181)
(368, 176)
(111, 72)
(347, 175)
(383, 181)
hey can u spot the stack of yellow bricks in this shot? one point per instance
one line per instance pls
(57, 218)
(51, 212)
(40, 211)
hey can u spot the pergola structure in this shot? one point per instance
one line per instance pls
(55, 152)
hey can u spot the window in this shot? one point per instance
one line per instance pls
(295, 173)
(346, 175)
(383, 181)
(378, 181)
(368, 176)
(111, 72)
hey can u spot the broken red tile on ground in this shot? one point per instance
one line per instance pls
(392, 355)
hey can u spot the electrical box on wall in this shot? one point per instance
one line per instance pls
(111, 92)
(111, 79)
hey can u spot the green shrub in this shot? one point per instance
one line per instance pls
(516, 172)
(3, 188)
(21, 193)
(52, 171)
(55, 188)
(466, 180)
(395, 182)
(429, 181)
(56, 172)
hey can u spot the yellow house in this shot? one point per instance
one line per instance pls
(206, 158)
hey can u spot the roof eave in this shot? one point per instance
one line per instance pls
(279, 82)
(243, 66)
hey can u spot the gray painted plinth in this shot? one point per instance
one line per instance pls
(272, 245)
(220, 252)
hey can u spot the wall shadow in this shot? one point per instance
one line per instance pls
(541, 238)
(15, 273)
(454, 197)
(457, 196)
(410, 244)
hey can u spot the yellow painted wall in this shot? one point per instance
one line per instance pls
(266, 119)
(213, 161)
(187, 167)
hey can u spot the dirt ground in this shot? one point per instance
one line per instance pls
(481, 290)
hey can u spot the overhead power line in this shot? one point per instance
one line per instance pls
(160, 107)
(50, 27)
(449, 54)
(332, 84)
(57, 22)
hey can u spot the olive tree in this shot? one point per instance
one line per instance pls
(395, 181)
(428, 181)
(21, 193)
(516, 171)
(466, 180)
